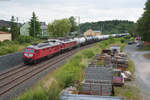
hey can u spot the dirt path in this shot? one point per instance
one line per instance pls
(142, 73)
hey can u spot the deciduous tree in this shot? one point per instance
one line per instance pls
(59, 28)
(74, 26)
(143, 24)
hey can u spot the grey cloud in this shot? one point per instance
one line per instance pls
(89, 10)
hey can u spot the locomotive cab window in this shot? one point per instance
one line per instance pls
(29, 50)
(26, 50)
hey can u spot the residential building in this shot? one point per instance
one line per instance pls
(44, 29)
(90, 32)
(24, 30)
(97, 33)
(5, 36)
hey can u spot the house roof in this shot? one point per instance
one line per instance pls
(1, 32)
(96, 31)
(115, 45)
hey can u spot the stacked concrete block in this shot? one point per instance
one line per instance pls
(122, 61)
(107, 60)
(97, 89)
(98, 73)
(122, 54)
(98, 81)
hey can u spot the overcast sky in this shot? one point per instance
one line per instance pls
(88, 10)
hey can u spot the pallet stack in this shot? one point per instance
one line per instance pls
(98, 81)
(103, 73)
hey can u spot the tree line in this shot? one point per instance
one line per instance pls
(109, 27)
(143, 23)
(63, 27)
(58, 28)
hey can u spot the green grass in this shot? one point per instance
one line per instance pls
(131, 66)
(147, 55)
(68, 75)
(122, 46)
(144, 48)
(128, 92)
(101, 62)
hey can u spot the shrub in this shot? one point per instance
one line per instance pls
(25, 39)
(111, 39)
(37, 94)
(1, 43)
(8, 49)
(131, 66)
(53, 92)
(7, 42)
(88, 53)
(122, 40)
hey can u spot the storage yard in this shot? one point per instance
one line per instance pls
(100, 80)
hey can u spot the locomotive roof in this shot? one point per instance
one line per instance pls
(62, 40)
(43, 45)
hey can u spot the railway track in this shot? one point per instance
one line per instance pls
(16, 76)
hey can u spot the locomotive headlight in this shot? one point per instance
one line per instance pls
(30, 55)
(26, 54)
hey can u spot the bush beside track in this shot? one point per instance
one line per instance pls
(19, 44)
(69, 74)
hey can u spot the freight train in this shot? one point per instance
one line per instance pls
(35, 52)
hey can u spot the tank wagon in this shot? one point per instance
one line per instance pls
(35, 52)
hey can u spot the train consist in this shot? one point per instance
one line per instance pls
(36, 52)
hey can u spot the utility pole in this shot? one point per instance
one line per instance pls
(102, 26)
(79, 24)
(34, 28)
(17, 26)
(78, 27)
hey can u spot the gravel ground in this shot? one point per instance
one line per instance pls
(142, 71)
(26, 85)
(10, 60)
